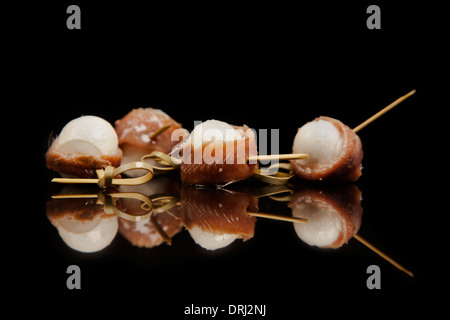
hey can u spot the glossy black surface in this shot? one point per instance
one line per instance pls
(270, 67)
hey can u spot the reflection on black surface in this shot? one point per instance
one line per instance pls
(152, 214)
(334, 217)
(82, 223)
(152, 232)
(161, 226)
(333, 213)
(215, 218)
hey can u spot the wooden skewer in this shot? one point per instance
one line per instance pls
(278, 217)
(166, 160)
(109, 205)
(383, 111)
(75, 196)
(383, 255)
(106, 177)
(356, 129)
(155, 134)
(273, 190)
(161, 231)
(289, 156)
(74, 180)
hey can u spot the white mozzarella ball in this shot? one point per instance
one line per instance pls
(89, 135)
(321, 140)
(211, 130)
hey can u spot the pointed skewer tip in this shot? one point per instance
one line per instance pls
(383, 111)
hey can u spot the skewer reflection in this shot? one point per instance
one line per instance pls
(161, 226)
(88, 221)
(82, 223)
(151, 214)
(334, 217)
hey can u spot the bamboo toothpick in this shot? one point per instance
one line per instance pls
(167, 239)
(383, 255)
(74, 180)
(383, 111)
(107, 177)
(289, 156)
(278, 217)
(108, 200)
(273, 190)
(267, 177)
(155, 134)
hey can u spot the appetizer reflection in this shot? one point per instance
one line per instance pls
(215, 218)
(162, 226)
(151, 214)
(333, 213)
(88, 219)
(82, 223)
(88, 222)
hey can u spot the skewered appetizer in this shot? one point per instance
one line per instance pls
(143, 131)
(84, 145)
(217, 153)
(334, 151)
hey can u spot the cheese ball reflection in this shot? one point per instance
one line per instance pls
(216, 218)
(333, 213)
(82, 224)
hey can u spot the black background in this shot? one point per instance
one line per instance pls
(265, 65)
